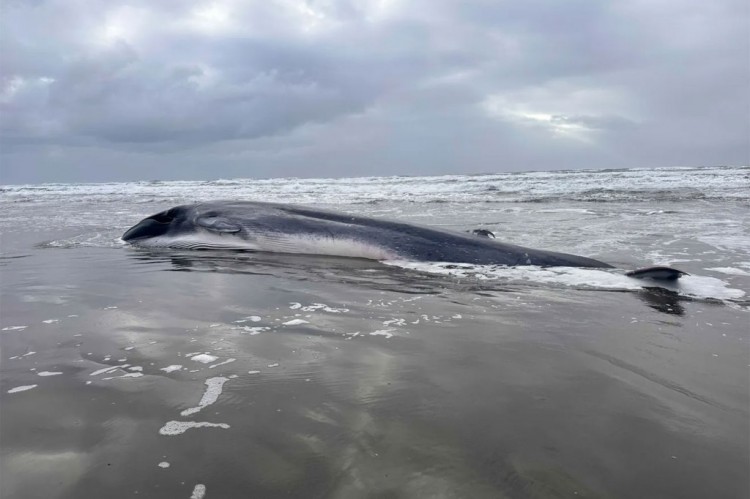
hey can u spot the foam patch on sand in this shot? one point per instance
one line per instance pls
(314, 307)
(251, 318)
(252, 330)
(22, 388)
(172, 428)
(295, 322)
(128, 375)
(707, 287)
(199, 491)
(108, 370)
(383, 332)
(690, 285)
(213, 390)
(228, 361)
(204, 358)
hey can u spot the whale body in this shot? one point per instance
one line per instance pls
(282, 228)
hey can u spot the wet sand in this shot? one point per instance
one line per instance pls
(320, 377)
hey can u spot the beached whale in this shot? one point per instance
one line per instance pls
(283, 228)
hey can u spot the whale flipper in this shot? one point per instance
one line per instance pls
(657, 273)
(218, 224)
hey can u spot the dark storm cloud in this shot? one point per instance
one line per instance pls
(99, 91)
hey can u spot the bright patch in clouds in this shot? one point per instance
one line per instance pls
(212, 18)
(558, 125)
(563, 110)
(123, 24)
(308, 18)
(13, 88)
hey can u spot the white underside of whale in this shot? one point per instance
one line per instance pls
(306, 244)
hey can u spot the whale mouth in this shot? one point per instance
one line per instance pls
(144, 229)
(153, 226)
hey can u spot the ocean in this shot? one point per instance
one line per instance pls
(136, 373)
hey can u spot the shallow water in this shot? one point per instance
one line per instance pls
(258, 375)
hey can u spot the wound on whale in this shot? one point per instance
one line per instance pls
(282, 228)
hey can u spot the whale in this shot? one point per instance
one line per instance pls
(288, 228)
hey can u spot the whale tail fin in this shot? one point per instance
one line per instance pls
(657, 273)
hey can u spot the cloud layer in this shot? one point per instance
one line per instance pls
(94, 91)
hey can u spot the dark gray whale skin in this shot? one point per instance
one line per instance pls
(248, 222)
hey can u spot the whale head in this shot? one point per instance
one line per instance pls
(160, 225)
(194, 226)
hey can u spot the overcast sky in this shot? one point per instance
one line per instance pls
(102, 90)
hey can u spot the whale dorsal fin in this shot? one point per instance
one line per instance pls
(657, 273)
(482, 233)
(218, 224)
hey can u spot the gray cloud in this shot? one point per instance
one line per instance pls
(98, 91)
